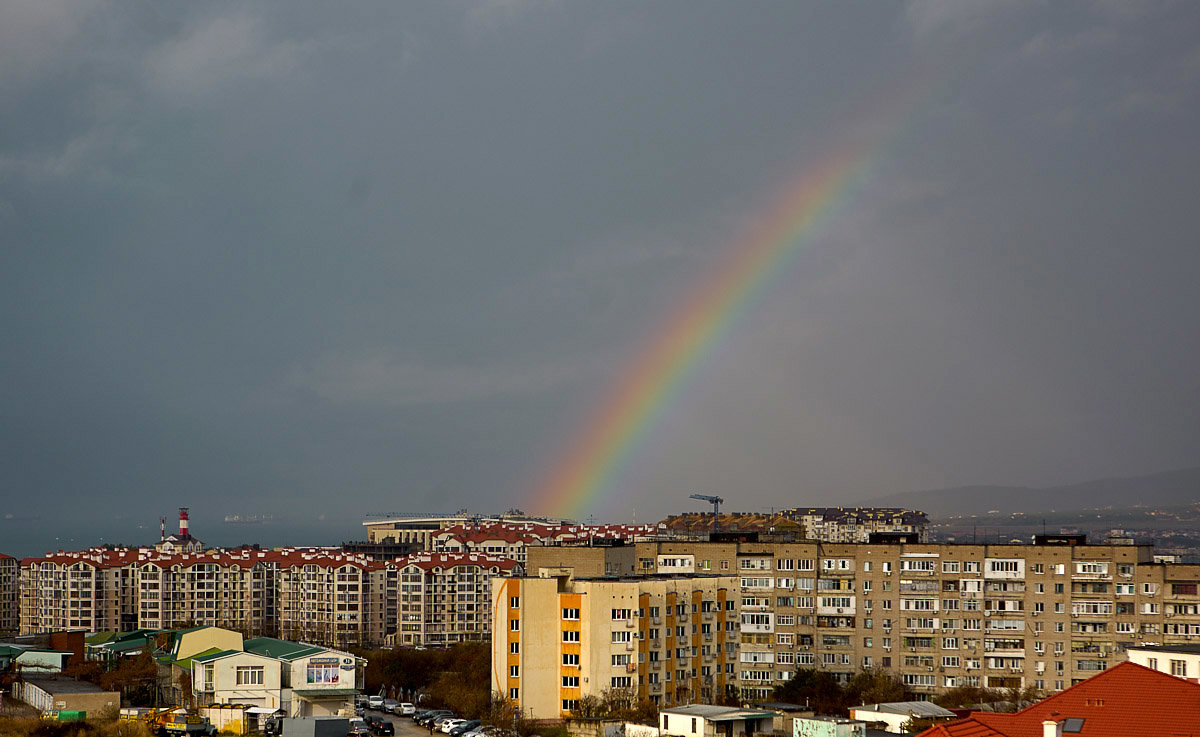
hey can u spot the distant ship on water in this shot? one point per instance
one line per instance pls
(246, 519)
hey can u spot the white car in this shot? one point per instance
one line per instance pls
(450, 724)
(407, 709)
(375, 702)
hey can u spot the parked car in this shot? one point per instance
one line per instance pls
(384, 729)
(459, 729)
(407, 709)
(437, 720)
(432, 715)
(448, 724)
(375, 702)
(388, 705)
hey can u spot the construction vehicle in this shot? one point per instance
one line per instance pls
(170, 722)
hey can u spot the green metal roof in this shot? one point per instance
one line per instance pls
(214, 654)
(120, 647)
(186, 663)
(281, 649)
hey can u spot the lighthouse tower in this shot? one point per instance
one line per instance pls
(183, 542)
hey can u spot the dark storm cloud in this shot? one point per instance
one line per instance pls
(320, 259)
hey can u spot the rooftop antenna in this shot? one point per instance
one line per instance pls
(716, 501)
(162, 529)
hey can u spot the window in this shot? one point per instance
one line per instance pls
(622, 681)
(572, 614)
(514, 625)
(1179, 668)
(622, 659)
(514, 671)
(570, 705)
(514, 648)
(250, 675)
(570, 659)
(622, 636)
(513, 693)
(620, 614)
(570, 635)
(514, 602)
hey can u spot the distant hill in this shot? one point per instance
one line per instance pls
(1164, 489)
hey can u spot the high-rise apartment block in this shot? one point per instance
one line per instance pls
(10, 611)
(315, 595)
(1000, 616)
(559, 639)
(443, 597)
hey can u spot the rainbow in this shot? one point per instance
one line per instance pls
(631, 408)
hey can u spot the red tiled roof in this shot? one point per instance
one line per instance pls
(531, 532)
(1127, 700)
(284, 557)
(429, 561)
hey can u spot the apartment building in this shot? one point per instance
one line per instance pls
(940, 616)
(508, 540)
(332, 598)
(443, 597)
(558, 639)
(857, 524)
(10, 610)
(219, 589)
(826, 524)
(1181, 661)
(420, 529)
(89, 590)
(305, 593)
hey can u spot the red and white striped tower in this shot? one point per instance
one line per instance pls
(183, 523)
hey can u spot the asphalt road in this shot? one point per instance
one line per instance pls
(405, 727)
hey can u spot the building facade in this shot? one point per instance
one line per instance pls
(10, 610)
(559, 639)
(939, 616)
(443, 597)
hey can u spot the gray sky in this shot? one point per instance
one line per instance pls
(334, 259)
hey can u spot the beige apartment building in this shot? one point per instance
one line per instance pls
(559, 639)
(10, 610)
(443, 598)
(235, 590)
(938, 615)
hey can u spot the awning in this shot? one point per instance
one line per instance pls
(262, 710)
(313, 694)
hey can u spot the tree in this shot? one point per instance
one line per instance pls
(876, 686)
(819, 690)
(135, 678)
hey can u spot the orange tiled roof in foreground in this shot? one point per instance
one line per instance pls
(1127, 700)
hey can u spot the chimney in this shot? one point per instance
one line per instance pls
(183, 523)
(1051, 728)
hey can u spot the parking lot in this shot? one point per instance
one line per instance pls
(403, 725)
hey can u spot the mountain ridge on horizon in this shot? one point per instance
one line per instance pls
(1159, 489)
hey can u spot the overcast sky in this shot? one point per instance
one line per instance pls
(338, 259)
